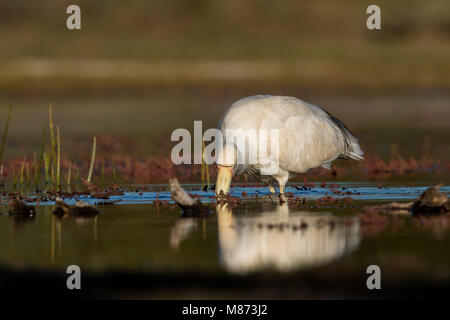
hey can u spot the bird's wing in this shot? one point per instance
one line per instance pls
(310, 137)
(308, 142)
(352, 150)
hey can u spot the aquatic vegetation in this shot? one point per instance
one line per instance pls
(52, 152)
(39, 163)
(19, 172)
(58, 156)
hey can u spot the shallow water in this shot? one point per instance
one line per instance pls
(357, 191)
(137, 235)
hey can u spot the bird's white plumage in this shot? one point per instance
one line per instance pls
(309, 137)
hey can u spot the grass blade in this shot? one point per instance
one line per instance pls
(203, 164)
(91, 168)
(46, 165)
(69, 172)
(52, 153)
(58, 159)
(21, 173)
(37, 173)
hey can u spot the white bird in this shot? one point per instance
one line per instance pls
(308, 137)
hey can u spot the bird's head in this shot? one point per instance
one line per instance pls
(226, 163)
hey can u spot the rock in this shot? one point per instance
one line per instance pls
(431, 201)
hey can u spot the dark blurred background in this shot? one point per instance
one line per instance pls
(139, 69)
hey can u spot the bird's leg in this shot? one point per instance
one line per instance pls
(273, 192)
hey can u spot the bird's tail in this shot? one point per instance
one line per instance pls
(354, 150)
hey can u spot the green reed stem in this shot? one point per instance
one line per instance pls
(69, 172)
(37, 172)
(58, 160)
(207, 174)
(52, 169)
(52, 153)
(91, 168)
(27, 171)
(46, 165)
(50, 122)
(21, 173)
(203, 164)
(205, 167)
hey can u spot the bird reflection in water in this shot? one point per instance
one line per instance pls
(279, 240)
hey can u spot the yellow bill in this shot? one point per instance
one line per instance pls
(224, 176)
